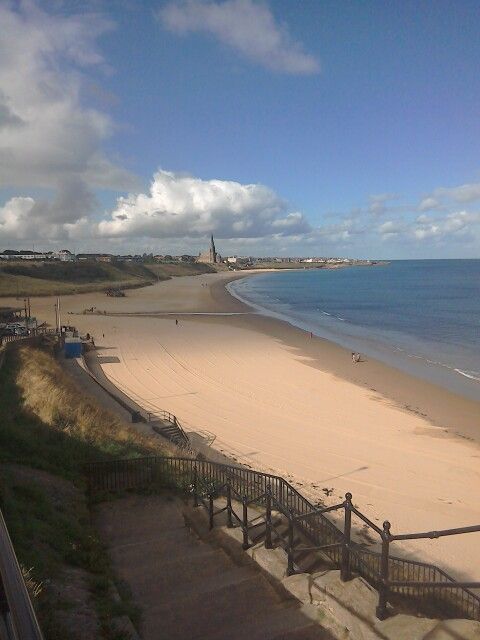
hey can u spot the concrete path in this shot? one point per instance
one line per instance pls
(188, 588)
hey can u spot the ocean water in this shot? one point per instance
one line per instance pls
(421, 316)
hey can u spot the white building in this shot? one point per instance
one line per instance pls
(64, 255)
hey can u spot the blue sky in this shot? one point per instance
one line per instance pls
(312, 128)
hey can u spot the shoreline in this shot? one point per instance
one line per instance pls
(413, 360)
(451, 411)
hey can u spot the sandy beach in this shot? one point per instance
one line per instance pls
(277, 400)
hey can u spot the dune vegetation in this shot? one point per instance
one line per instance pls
(64, 278)
(52, 278)
(47, 431)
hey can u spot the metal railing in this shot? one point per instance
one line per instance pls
(34, 334)
(8, 339)
(17, 614)
(173, 431)
(160, 414)
(425, 586)
(143, 415)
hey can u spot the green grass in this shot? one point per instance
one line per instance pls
(47, 431)
(64, 278)
(67, 278)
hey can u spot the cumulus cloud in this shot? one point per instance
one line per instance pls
(462, 194)
(176, 206)
(445, 197)
(244, 25)
(429, 204)
(379, 204)
(391, 228)
(456, 224)
(48, 137)
(179, 205)
(21, 219)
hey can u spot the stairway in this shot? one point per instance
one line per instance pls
(305, 561)
(173, 432)
(189, 587)
(308, 561)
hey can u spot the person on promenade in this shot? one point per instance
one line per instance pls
(176, 321)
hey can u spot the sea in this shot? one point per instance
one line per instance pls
(420, 316)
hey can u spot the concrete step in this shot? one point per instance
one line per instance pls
(312, 562)
(196, 584)
(182, 587)
(160, 547)
(121, 520)
(223, 609)
(279, 624)
(185, 569)
(311, 631)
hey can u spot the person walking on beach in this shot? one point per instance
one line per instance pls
(355, 357)
(176, 321)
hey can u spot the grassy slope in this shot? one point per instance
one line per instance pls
(76, 278)
(47, 430)
(60, 279)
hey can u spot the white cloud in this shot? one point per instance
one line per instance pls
(48, 137)
(462, 194)
(424, 219)
(248, 27)
(21, 219)
(391, 228)
(379, 203)
(428, 204)
(453, 225)
(179, 205)
(446, 197)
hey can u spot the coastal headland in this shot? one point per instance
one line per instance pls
(277, 399)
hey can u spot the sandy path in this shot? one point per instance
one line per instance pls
(272, 405)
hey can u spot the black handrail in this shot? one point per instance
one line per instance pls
(387, 573)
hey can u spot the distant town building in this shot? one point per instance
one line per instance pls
(10, 254)
(97, 257)
(239, 260)
(64, 255)
(210, 256)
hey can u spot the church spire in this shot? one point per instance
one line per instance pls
(212, 244)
